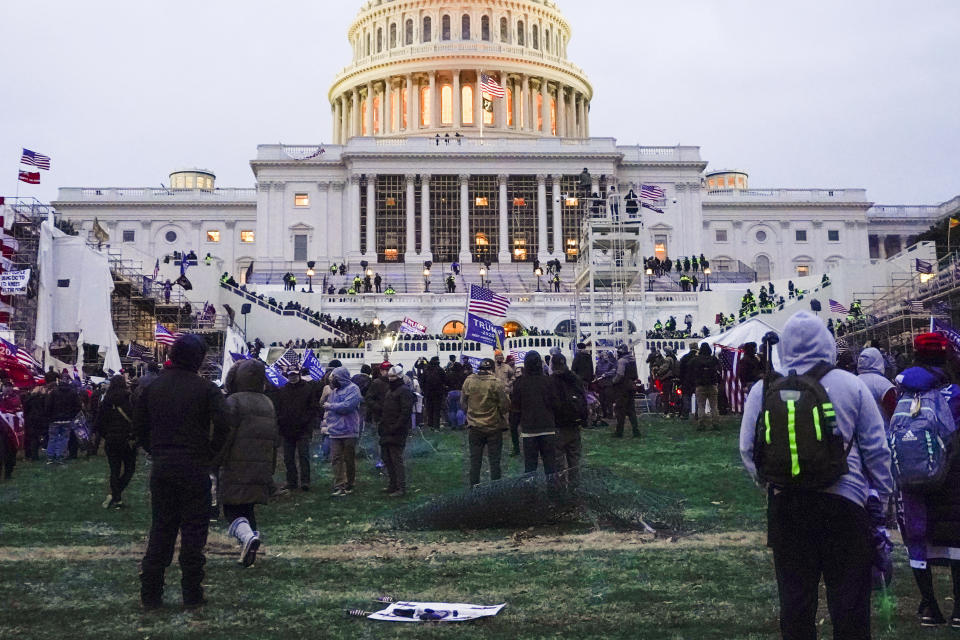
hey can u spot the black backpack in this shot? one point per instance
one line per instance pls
(798, 444)
(572, 407)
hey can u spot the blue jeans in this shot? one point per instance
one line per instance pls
(58, 437)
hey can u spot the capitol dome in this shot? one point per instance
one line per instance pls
(417, 65)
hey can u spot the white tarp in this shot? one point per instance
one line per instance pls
(233, 342)
(752, 330)
(74, 294)
(435, 612)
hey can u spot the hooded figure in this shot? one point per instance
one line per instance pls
(394, 429)
(870, 369)
(827, 532)
(343, 427)
(535, 399)
(247, 460)
(487, 407)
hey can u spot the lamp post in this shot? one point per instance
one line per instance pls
(310, 274)
(377, 324)
(483, 276)
(649, 279)
(539, 273)
(387, 344)
(706, 272)
(426, 280)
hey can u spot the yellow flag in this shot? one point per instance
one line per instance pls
(954, 223)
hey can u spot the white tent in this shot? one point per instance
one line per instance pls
(752, 330)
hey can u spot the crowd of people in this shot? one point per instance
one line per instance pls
(668, 330)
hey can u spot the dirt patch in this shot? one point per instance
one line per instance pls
(525, 541)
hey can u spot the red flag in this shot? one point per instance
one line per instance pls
(30, 177)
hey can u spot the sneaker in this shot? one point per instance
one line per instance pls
(106, 504)
(248, 555)
(338, 493)
(929, 615)
(117, 504)
(348, 490)
(955, 616)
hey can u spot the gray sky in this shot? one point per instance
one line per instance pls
(824, 93)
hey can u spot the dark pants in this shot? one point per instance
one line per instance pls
(494, 444)
(392, 455)
(432, 409)
(8, 458)
(569, 452)
(297, 450)
(122, 459)
(180, 503)
(233, 511)
(34, 437)
(625, 408)
(515, 436)
(816, 534)
(543, 448)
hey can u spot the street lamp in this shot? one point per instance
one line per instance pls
(539, 273)
(310, 274)
(426, 280)
(387, 344)
(706, 272)
(483, 276)
(649, 279)
(376, 325)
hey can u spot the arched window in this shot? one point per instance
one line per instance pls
(466, 100)
(427, 25)
(762, 267)
(453, 328)
(426, 104)
(485, 28)
(446, 104)
(363, 117)
(546, 40)
(504, 30)
(553, 116)
(377, 125)
(408, 33)
(393, 35)
(521, 38)
(535, 40)
(465, 27)
(379, 40)
(445, 28)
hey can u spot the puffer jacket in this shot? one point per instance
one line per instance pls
(297, 409)
(247, 460)
(395, 419)
(63, 403)
(535, 398)
(343, 406)
(485, 401)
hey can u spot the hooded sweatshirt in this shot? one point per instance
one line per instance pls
(870, 368)
(247, 460)
(806, 342)
(343, 415)
(535, 398)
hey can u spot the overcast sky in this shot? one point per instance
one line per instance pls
(823, 93)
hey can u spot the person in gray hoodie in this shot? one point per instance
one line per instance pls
(824, 533)
(870, 368)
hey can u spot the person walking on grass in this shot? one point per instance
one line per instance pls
(297, 405)
(180, 421)
(817, 521)
(571, 415)
(487, 406)
(535, 399)
(706, 377)
(115, 425)
(394, 429)
(247, 460)
(343, 427)
(62, 406)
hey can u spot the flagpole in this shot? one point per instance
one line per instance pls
(466, 313)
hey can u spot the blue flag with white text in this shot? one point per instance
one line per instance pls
(484, 331)
(275, 377)
(311, 362)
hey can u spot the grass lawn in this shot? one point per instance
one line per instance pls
(69, 568)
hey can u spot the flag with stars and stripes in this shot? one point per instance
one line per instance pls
(730, 364)
(483, 300)
(651, 192)
(916, 306)
(836, 307)
(290, 358)
(137, 351)
(163, 336)
(35, 159)
(491, 86)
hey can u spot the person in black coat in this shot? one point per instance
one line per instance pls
(376, 392)
(180, 421)
(583, 364)
(61, 406)
(297, 405)
(750, 369)
(394, 428)
(687, 383)
(115, 424)
(433, 384)
(535, 398)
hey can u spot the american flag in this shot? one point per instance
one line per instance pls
(290, 358)
(651, 192)
(842, 346)
(647, 205)
(26, 358)
(137, 351)
(916, 306)
(483, 300)
(35, 159)
(491, 86)
(156, 269)
(162, 336)
(836, 307)
(30, 177)
(730, 364)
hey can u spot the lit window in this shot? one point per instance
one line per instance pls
(425, 105)
(553, 116)
(376, 115)
(481, 239)
(246, 236)
(711, 183)
(572, 202)
(721, 235)
(467, 104)
(509, 107)
(803, 270)
(190, 182)
(572, 249)
(301, 200)
(446, 104)
(833, 235)
(482, 201)
(519, 202)
(391, 201)
(801, 235)
(213, 236)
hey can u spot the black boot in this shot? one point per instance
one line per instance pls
(955, 616)
(619, 431)
(635, 423)
(151, 587)
(929, 611)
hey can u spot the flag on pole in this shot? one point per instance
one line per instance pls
(99, 232)
(290, 358)
(836, 307)
(311, 362)
(156, 269)
(484, 331)
(923, 266)
(940, 326)
(162, 336)
(137, 351)
(842, 346)
(26, 358)
(491, 86)
(483, 300)
(954, 222)
(730, 364)
(647, 205)
(651, 192)
(30, 177)
(35, 159)
(237, 357)
(275, 377)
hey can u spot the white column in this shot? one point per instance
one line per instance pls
(557, 220)
(410, 113)
(338, 122)
(354, 232)
(545, 105)
(384, 125)
(580, 121)
(344, 120)
(355, 120)
(542, 253)
(561, 112)
(371, 253)
(457, 104)
(504, 235)
(500, 121)
(434, 102)
(525, 101)
(586, 118)
(411, 218)
(477, 102)
(425, 253)
(517, 101)
(368, 116)
(465, 254)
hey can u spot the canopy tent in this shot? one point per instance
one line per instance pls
(752, 330)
